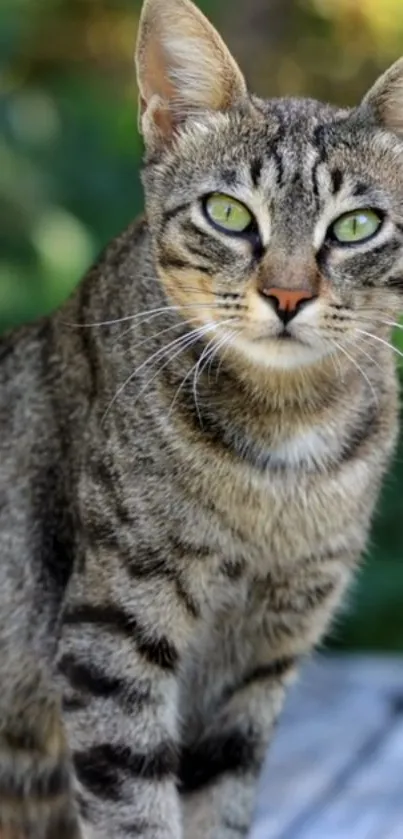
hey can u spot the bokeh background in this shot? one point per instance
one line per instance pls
(70, 156)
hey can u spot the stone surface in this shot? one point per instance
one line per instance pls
(335, 769)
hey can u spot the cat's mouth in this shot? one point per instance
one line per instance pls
(281, 348)
(284, 336)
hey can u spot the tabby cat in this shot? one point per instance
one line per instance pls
(192, 449)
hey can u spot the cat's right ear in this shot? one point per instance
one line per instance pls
(384, 102)
(183, 67)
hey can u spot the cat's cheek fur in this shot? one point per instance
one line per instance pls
(191, 292)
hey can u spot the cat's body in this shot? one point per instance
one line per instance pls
(177, 527)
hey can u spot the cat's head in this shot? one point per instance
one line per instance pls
(278, 224)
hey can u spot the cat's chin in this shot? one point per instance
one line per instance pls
(280, 353)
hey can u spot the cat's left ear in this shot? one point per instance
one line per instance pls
(385, 99)
(183, 67)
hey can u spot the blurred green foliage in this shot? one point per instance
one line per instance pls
(69, 169)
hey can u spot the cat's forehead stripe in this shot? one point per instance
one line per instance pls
(256, 170)
(337, 179)
(229, 176)
(360, 188)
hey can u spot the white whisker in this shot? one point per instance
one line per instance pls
(225, 340)
(228, 343)
(178, 390)
(337, 366)
(381, 341)
(210, 307)
(367, 354)
(213, 352)
(183, 341)
(140, 315)
(358, 367)
(189, 372)
(391, 323)
(197, 372)
(376, 319)
(155, 334)
(192, 338)
(162, 351)
(123, 319)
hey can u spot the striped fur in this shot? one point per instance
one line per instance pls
(181, 512)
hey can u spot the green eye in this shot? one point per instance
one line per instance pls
(227, 213)
(356, 227)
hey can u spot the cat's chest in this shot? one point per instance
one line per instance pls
(271, 535)
(290, 505)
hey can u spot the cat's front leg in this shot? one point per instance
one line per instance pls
(257, 660)
(36, 800)
(118, 665)
(219, 772)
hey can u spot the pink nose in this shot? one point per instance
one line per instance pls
(288, 301)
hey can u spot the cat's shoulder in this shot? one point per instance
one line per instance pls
(125, 255)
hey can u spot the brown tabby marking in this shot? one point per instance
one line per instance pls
(188, 474)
